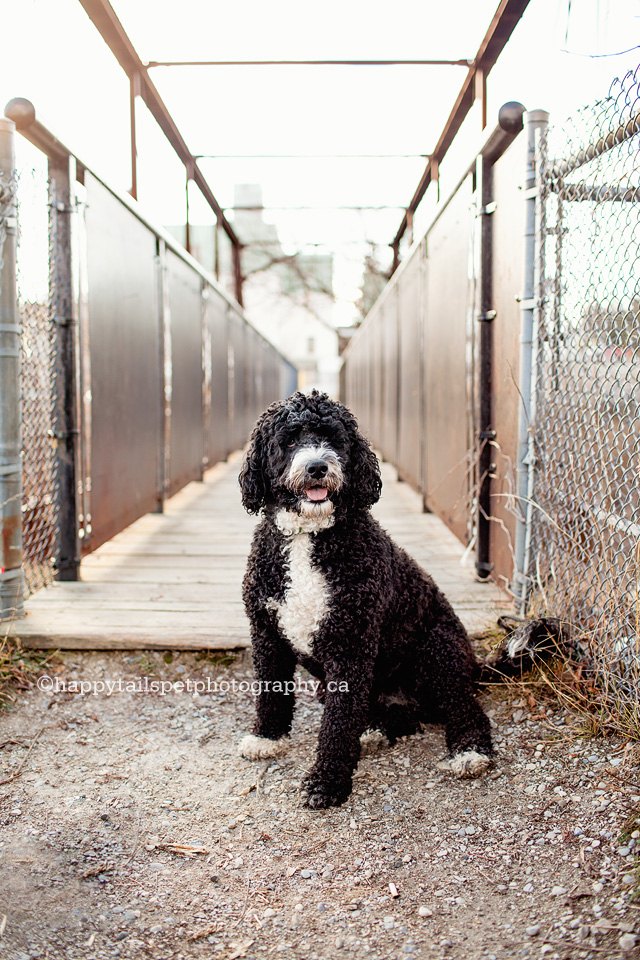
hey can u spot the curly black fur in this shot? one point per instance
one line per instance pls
(383, 627)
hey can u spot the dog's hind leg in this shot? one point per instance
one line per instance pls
(447, 685)
(274, 664)
(396, 716)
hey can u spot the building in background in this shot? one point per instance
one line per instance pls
(287, 296)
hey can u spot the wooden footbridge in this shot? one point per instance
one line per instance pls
(173, 580)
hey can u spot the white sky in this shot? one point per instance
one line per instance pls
(56, 58)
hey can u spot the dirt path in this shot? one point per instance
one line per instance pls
(133, 828)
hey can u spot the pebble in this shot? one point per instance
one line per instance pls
(130, 915)
(528, 888)
(425, 912)
(627, 942)
(305, 874)
(533, 931)
(558, 891)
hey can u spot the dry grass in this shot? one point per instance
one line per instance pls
(588, 689)
(18, 668)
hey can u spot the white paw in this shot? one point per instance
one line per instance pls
(371, 741)
(470, 764)
(260, 748)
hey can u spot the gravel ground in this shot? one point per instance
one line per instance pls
(131, 827)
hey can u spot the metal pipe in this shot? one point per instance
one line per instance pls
(11, 571)
(134, 93)
(625, 131)
(486, 316)
(309, 63)
(534, 122)
(66, 370)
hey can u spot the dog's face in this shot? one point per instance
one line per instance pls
(307, 455)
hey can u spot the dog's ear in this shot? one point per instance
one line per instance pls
(366, 483)
(253, 482)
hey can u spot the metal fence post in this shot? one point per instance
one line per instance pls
(534, 121)
(11, 572)
(485, 427)
(66, 371)
(166, 377)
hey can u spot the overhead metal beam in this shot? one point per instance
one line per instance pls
(113, 33)
(502, 26)
(311, 156)
(309, 63)
(324, 206)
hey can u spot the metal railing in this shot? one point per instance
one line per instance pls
(135, 370)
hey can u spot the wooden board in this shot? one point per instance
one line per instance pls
(173, 580)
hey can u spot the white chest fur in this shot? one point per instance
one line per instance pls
(306, 599)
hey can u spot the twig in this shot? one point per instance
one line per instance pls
(15, 775)
(631, 783)
(244, 908)
(485, 875)
(135, 846)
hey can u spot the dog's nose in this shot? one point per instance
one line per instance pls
(317, 469)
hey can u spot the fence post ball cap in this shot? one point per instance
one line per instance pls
(510, 116)
(21, 111)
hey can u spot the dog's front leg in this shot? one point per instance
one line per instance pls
(274, 665)
(345, 718)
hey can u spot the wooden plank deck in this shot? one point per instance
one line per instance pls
(173, 580)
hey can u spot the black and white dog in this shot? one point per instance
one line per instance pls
(327, 588)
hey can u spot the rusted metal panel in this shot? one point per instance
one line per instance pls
(508, 271)
(216, 328)
(391, 382)
(377, 378)
(185, 304)
(411, 309)
(287, 378)
(125, 376)
(237, 370)
(445, 400)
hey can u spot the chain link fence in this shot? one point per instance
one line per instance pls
(586, 526)
(36, 273)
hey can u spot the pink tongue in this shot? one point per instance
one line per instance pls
(317, 493)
